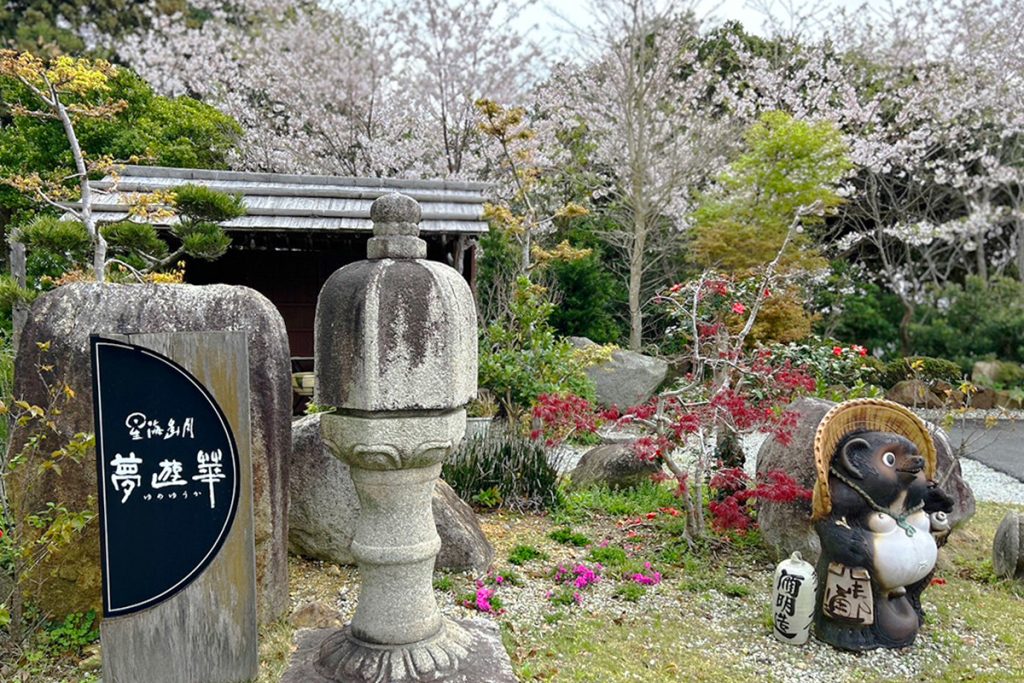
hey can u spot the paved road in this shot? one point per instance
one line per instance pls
(1000, 447)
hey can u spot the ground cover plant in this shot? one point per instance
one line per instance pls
(633, 622)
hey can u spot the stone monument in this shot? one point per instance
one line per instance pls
(396, 358)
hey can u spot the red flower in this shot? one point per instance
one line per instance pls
(837, 351)
(738, 308)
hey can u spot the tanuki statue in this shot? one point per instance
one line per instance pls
(880, 518)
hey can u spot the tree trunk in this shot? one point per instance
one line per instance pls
(99, 245)
(908, 316)
(1019, 229)
(982, 259)
(636, 275)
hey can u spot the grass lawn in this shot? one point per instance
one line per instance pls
(708, 619)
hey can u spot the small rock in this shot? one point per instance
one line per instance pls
(1007, 549)
(985, 371)
(333, 570)
(983, 399)
(93, 660)
(316, 615)
(914, 393)
(615, 465)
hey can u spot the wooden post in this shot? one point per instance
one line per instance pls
(206, 632)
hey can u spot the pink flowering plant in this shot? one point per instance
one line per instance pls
(484, 597)
(647, 577)
(573, 581)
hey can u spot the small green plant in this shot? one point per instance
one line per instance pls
(554, 617)
(567, 536)
(632, 502)
(521, 554)
(488, 498)
(317, 409)
(564, 597)
(610, 557)
(629, 591)
(70, 636)
(522, 358)
(484, 405)
(444, 583)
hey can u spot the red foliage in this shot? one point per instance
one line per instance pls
(561, 415)
(733, 512)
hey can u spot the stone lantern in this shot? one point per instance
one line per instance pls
(396, 358)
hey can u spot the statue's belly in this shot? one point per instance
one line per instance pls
(901, 560)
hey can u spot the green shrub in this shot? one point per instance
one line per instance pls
(610, 557)
(589, 295)
(521, 554)
(922, 368)
(829, 362)
(504, 468)
(973, 321)
(522, 358)
(1009, 375)
(857, 312)
(629, 591)
(567, 536)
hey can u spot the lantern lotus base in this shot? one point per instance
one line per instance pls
(466, 651)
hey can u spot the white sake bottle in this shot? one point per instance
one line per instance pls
(795, 586)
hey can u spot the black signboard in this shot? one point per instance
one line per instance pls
(168, 475)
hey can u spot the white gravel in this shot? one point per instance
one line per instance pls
(987, 483)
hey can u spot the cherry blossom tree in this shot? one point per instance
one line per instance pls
(928, 95)
(648, 104)
(379, 89)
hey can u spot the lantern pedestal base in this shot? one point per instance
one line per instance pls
(476, 643)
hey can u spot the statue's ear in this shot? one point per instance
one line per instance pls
(849, 449)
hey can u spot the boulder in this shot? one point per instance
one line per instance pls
(786, 527)
(615, 465)
(1007, 547)
(914, 393)
(324, 507)
(985, 372)
(1006, 400)
(627, 378)
(983, 399)
(57, 336)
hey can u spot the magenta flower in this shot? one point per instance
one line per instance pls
(483, 599)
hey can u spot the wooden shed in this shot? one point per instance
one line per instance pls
(298, 229)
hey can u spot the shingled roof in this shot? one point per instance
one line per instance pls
(278, 202)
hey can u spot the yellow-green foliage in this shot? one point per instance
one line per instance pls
(788, 164)
(782, 318)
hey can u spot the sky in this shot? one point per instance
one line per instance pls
(555, 20)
